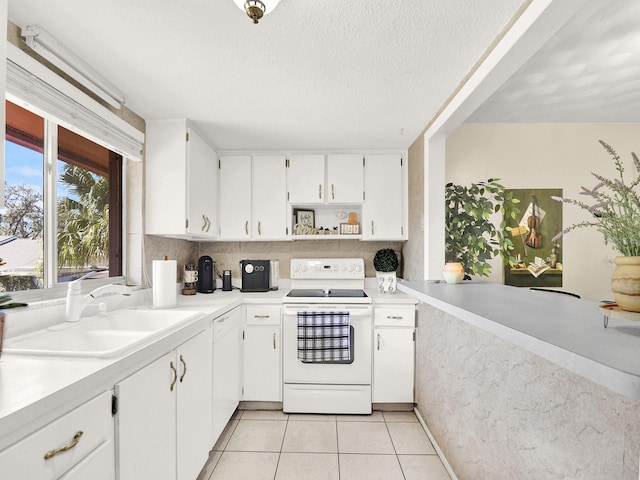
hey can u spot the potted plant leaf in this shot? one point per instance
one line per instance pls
(616, 214)
(386, 264)
(471, 237)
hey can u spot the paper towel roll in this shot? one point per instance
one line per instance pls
(164, 283)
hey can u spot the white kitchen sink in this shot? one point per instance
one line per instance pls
(102, 336)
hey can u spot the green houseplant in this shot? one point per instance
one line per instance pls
(471, 238)
(615, 210)
(386, 263)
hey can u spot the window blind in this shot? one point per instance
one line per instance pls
(50, 96)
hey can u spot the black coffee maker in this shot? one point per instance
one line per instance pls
(206, 274)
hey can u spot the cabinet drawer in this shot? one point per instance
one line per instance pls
(26, 459)
(394, 316)
(263, 315)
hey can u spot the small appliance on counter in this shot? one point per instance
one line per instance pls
(255, 275)
(206, 279)
(226, 281)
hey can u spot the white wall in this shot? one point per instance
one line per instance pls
(549, 156)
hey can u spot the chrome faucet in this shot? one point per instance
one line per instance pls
(76, 302)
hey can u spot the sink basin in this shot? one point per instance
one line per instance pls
(100, 337)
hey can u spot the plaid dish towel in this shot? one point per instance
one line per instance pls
(324, 336)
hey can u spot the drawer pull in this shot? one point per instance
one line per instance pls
(175, 376)
(261, 316)
(184, 366)
(68, 446)
(246, 227)
(378, 341)
(394, 317)
(274, 340)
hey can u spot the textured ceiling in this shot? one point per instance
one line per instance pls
(588, 72)
(330, 74)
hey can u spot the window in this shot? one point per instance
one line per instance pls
(62, 215)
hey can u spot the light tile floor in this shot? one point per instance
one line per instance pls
(272, 445)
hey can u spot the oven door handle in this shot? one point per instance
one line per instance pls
(352, 312)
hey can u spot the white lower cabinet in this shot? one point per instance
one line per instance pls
(164, 415)
(226, 368)
(262, 354)
(393, 354)
(77, 445)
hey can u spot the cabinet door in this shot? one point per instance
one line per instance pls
(269, 198)
(262, 354)
(166, 179)
(235, 198)
(146, 422)
(194, 405)
(383, 215)
(393, 365)
(305, 179)
(345, 178)
(202, 181)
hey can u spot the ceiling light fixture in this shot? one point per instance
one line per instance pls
(256, 9)
(62, 57)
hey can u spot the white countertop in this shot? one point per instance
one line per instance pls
(36, 390)
(563, 329)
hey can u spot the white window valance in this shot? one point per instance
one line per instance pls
(50, 96)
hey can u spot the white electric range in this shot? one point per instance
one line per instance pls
(327, 337)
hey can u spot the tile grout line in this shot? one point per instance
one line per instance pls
(338, 450)
(386, 424)
(435, 445)
(275, 474)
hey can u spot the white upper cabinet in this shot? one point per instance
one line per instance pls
(345, 178)
(309, 181)
(235, 198)
(383, 211)
(305, 179)
(180, 181)
(253, 202)
(269, 199)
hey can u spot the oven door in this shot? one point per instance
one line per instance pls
(357, 372)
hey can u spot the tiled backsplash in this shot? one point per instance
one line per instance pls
(227, 255)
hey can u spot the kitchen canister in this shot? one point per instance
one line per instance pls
(164, 283)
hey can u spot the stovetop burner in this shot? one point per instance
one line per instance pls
(330, 293)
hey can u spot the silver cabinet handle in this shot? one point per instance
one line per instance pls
(259, 229)
(320, 191)
(274, 340)
(175, 376)
(378, 341)
(246, 227)
(333, 195)
(371, 227)
(184, 366)
(74, 441)
(261, 316)
(204, 222)
(394, 317)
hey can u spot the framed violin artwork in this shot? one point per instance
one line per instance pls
(538, 259)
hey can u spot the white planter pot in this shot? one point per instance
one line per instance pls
(387, 282)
